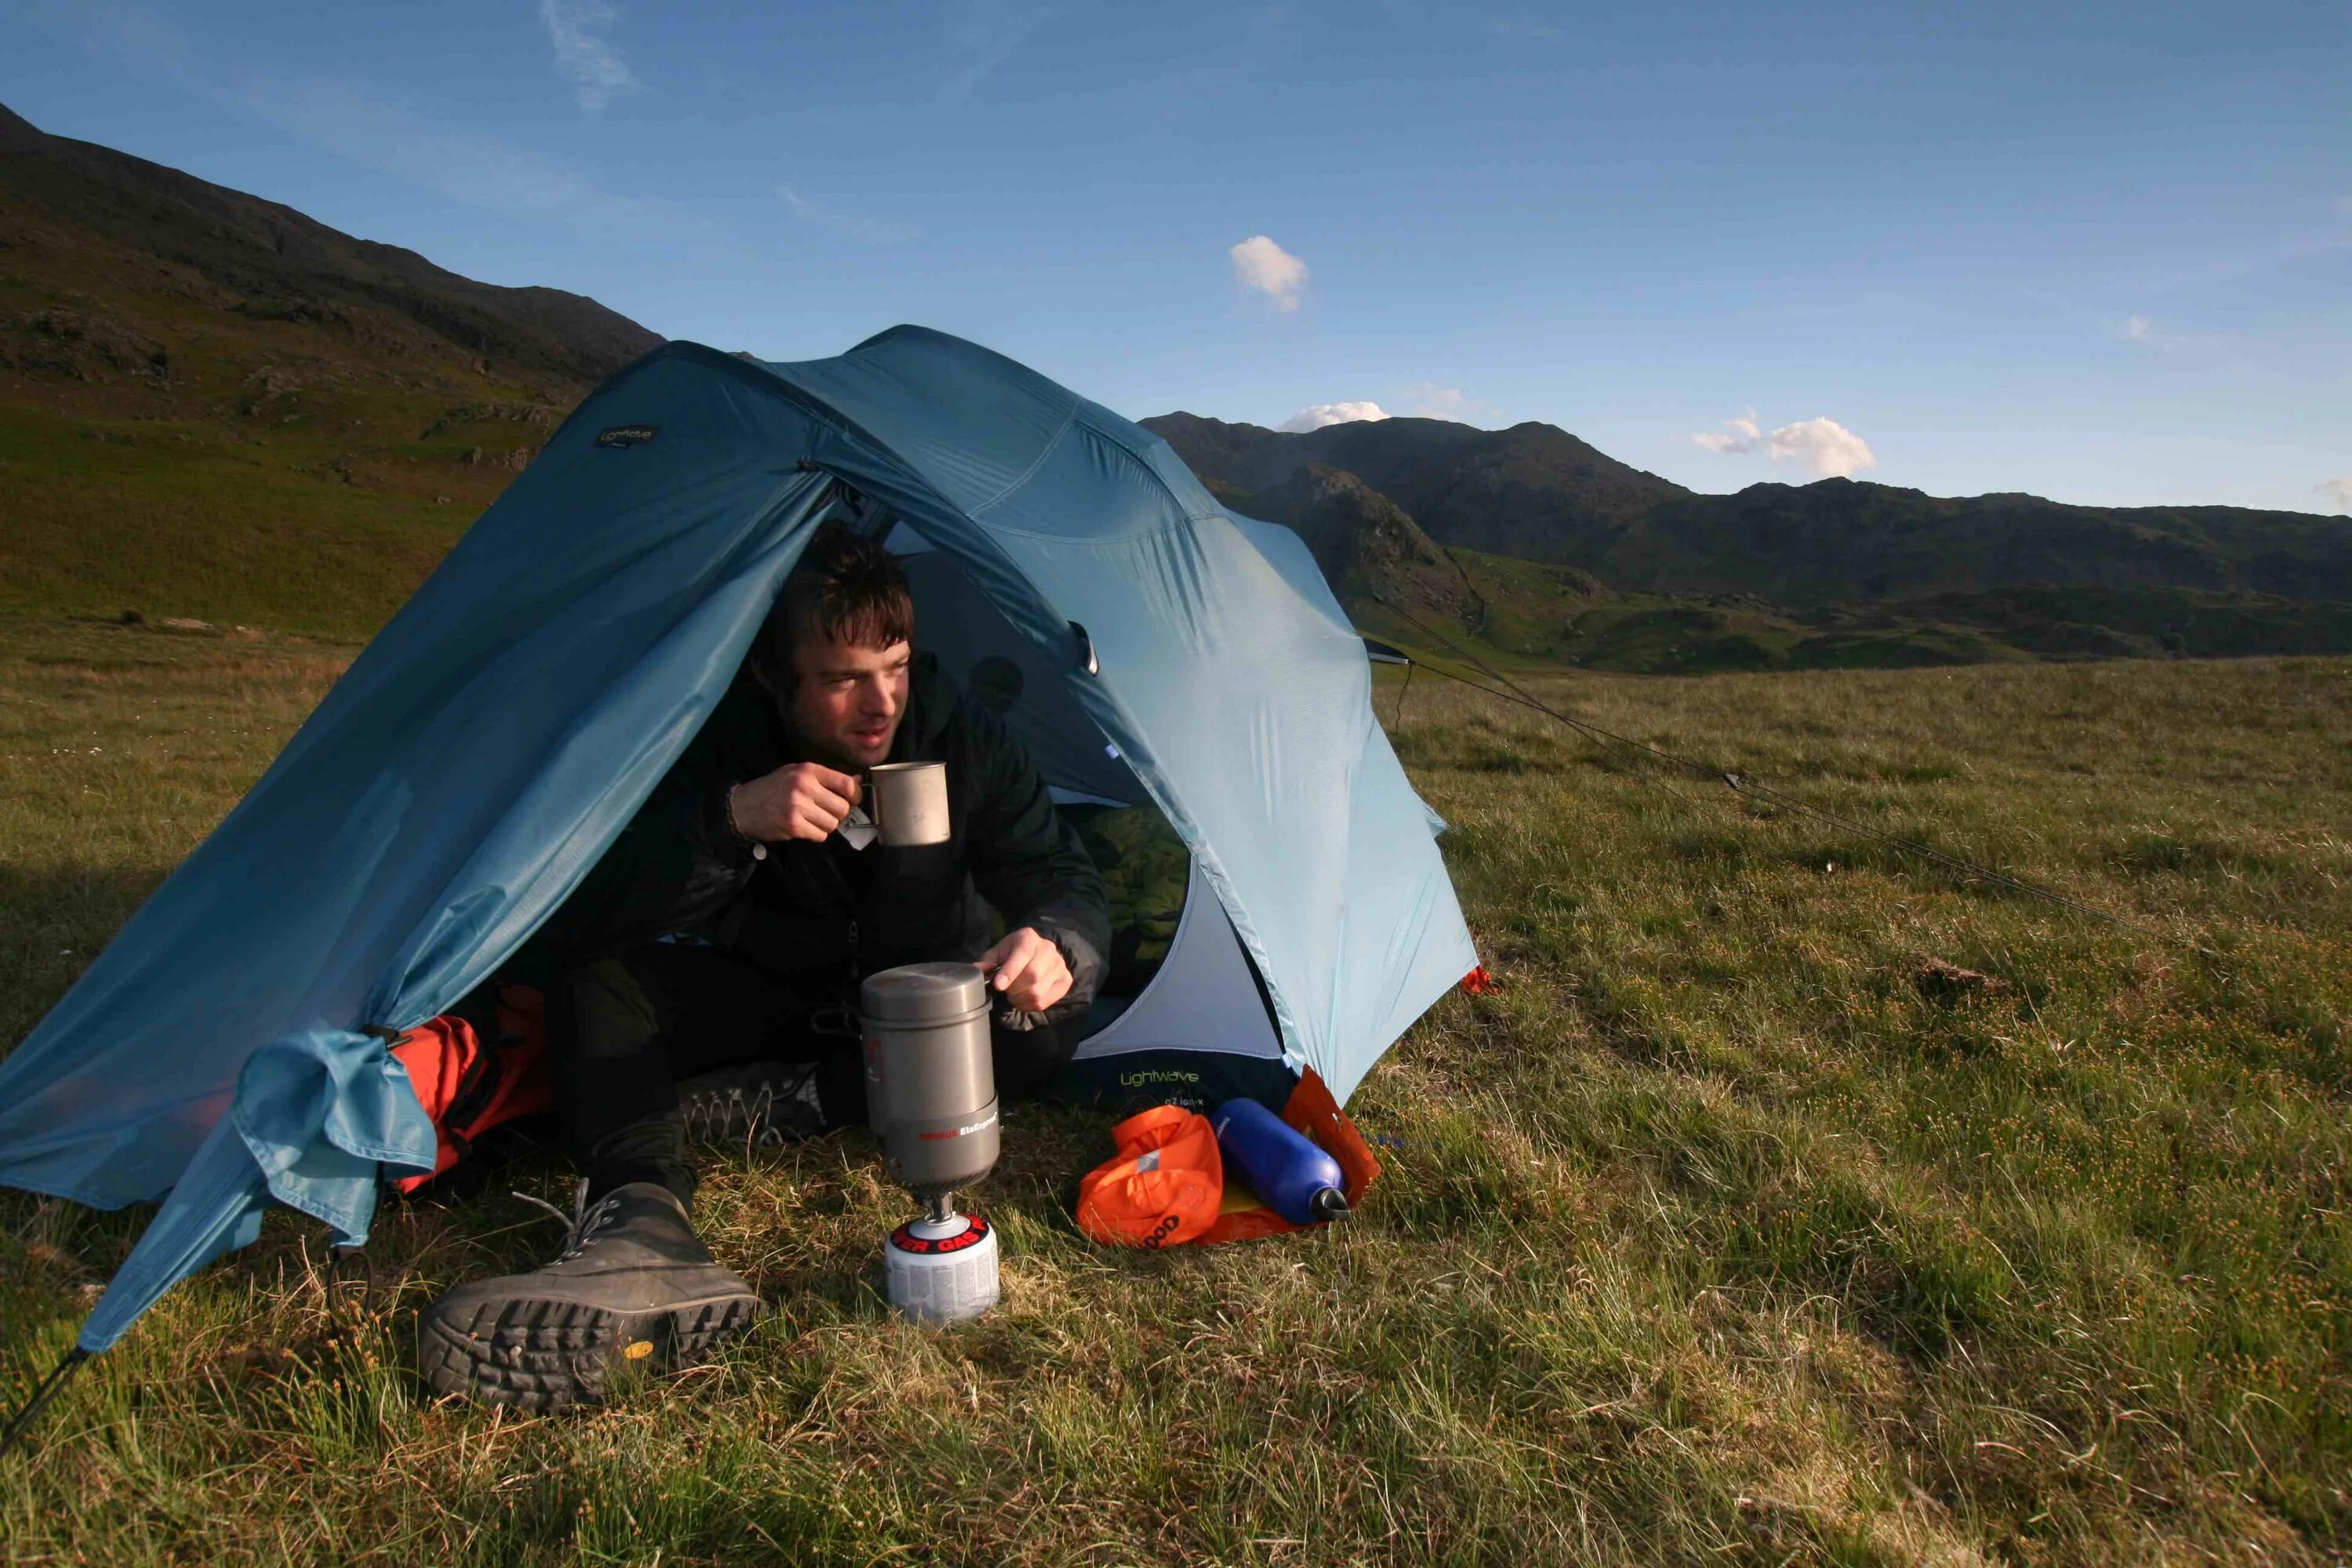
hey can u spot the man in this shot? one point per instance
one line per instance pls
(703, 976)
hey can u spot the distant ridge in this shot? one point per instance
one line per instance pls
(1868, 572)
(1507, 492)
(1537, 492)
(273, 258)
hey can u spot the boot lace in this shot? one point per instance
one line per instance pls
(710, 1115)
(777, 1109)
(583, 1224)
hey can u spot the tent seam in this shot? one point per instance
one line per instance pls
(1052, 445)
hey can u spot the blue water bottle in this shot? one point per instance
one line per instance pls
(1296, 1179)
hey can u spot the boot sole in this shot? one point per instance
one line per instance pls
(542, 1356)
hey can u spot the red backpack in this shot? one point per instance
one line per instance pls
(468, 1084)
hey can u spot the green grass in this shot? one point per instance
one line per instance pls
(282, 472)
(208, 520)
(1713, 1237)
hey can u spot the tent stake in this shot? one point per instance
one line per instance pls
(41, 1397)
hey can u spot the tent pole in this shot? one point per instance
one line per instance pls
(41, 1397)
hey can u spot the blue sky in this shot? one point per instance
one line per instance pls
(2104, 254)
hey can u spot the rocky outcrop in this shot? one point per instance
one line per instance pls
(1367, 545)
(80, 345)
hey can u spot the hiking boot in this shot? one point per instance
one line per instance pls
(635, 1287)
(768, 1104)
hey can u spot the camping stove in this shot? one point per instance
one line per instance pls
(930, 1094)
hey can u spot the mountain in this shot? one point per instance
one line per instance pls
(1519, 492)
(1538, 492)
(213, 407)
(1840, 540)
(1367, 548)
(1834, 571)
(268, 261)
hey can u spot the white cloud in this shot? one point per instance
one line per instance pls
(596, 70)
(1260, 264)
(1737, 435)
(2337, 492)
(1322, 414)
(844, 225)
(1825, 446)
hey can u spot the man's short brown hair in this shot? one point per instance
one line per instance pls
(845, 588)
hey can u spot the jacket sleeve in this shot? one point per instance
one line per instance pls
(1026, 861)
(676, 864)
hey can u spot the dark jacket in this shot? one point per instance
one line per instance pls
(678, 868)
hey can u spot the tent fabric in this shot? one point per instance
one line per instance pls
(1203, 999)
(489, 744)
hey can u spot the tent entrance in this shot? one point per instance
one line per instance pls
(1183, 1013)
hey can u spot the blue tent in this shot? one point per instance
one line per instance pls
(228, 1048)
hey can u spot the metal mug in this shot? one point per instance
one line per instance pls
(909, 802)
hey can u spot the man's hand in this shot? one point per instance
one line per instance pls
(1029, 971)
(806, 800)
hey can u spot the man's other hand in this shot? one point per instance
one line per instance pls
(1027, 971)
(806, 800)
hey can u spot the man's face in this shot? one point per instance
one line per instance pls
(848, 700)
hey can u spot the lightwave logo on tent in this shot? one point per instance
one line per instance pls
(1156, 1075)
(622, 436)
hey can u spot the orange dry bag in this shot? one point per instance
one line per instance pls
(471, 1081)
(1163, 1186)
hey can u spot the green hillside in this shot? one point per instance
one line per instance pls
(1444, 602)
(213, 408)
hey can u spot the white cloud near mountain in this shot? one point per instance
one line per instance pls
(2337, 493)
(1427, 400)
(1737, 435)
(1823, 445)
(582, 56)
(1827, 449)
(1262, 265)
(1317, 416)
